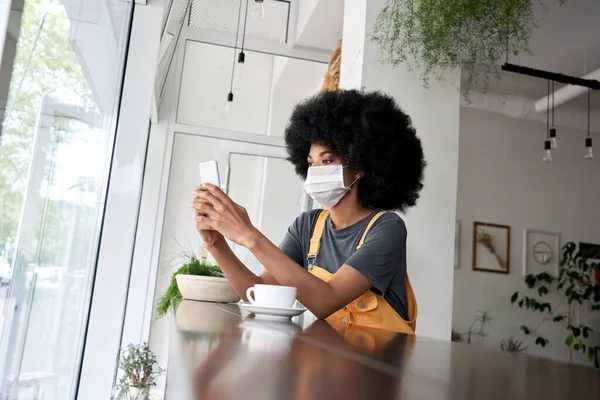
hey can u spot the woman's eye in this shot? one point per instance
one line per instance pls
(327, 162)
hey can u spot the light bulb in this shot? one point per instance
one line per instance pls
(553, 142)
(547, 156)
(240, 70)
(229, 103)
(259, 9)
(547, 151)
(589, 153)
(240, 65)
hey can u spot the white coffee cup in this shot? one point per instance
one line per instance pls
(272, 296)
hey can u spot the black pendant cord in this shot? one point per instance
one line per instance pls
(245, 22)
(589, 105)
(237, 34)
(553, 104)
(548, 113)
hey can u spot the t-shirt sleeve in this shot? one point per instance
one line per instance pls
(294, 241)
(383, 254)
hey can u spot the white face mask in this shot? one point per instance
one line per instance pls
(325, 184)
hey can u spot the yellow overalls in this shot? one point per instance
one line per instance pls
(368, 309)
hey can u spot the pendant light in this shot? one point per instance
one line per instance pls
(229, 103)
(553, 129)
(547, 143)
(589, 153)
(259, 10)
(240, 66)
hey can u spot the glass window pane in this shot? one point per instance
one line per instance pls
(57, 140)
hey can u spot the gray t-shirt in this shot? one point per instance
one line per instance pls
(381, 259)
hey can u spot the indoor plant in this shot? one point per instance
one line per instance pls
(482, 319)
(575, 284)
(513, 346)
(139, 370)
(194, 267)
(437, 35)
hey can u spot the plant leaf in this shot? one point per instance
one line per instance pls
(545, 277)
(590, 353)
(530, 280)
(569, 340)
(559, 318)
(545, 306)
(576, 332)
(525, 329)
(586, 331)
(542, 290)
(540, 341)
(521, 303)
(514, 297)
(577, 347)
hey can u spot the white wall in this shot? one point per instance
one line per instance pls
(319, 23)
(264, 96)
(502, 179)
(431, 223)
(297, 79)
(206, 81)
(281, 201)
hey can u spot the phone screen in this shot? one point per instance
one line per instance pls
(209, 173)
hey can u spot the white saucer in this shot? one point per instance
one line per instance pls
(272, 313)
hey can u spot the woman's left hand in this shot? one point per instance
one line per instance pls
(216, 209)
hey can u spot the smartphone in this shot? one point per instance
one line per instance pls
(209, 173)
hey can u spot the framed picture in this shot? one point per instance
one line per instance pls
(491, 247)
(457, 245)
(541, 252)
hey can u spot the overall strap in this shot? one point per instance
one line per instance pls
(315, 241)
(364, 235)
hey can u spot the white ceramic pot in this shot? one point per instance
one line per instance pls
(139, 393)
(195, 317)
(206, 288)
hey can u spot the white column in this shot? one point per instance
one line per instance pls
(435, 114)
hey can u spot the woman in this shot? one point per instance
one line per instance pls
(360, 155)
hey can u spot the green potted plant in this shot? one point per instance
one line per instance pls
(575, 284)
(139, 370)
(196, 279)
(476, 36)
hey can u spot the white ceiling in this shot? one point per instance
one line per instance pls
(567, 39)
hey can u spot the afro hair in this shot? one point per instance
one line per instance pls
(370, 133)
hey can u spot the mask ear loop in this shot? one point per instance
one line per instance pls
(349, 187)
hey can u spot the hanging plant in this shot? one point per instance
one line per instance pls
(439, 35)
